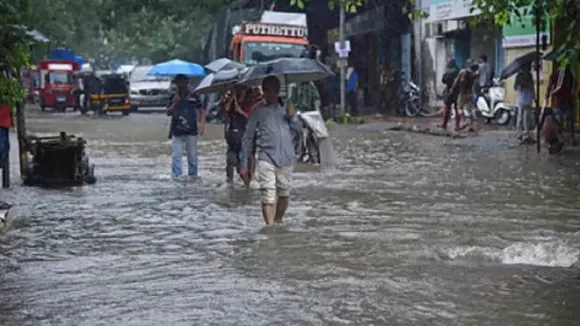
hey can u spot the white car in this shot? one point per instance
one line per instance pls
(147, 91)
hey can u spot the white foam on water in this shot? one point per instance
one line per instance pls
(553, 253)
(548, 254)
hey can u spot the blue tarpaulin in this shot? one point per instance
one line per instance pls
(64, 54)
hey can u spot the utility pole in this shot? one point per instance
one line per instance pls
(342, 61)
(538, 13)
(420, 57)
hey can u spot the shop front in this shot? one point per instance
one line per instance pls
(372, 48)
(520, 38)
(449, 25)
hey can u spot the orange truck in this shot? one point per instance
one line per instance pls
(276, 35)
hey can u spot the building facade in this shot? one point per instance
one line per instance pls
(380, 36)
(447, 34)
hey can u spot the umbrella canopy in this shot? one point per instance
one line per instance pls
(177, 67)
(290, 70)
(224, 64)
(219, 81)
(554, 55)
(518, 62)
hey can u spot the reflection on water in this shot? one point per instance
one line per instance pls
(404, 230)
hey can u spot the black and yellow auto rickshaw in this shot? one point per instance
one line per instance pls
(106, 91)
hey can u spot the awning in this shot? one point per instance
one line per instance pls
(370, 21)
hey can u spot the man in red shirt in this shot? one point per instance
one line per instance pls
(560, 90)
(237, 108)
(5, 125)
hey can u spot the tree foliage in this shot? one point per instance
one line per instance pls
(14, 50)
(565, 14)
(143, 29)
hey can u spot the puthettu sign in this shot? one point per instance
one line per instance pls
(275, 30)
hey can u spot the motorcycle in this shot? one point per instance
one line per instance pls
(407, 100)
(491, 104)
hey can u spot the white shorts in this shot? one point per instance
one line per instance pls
(274, 181)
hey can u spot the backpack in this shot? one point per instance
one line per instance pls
(235, 132)
(184, 120)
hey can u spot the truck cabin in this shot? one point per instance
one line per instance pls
(57, 74)
(257, 42)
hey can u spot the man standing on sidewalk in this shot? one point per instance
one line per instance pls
(352, 90)
(524, 87)
(187, 122)
(276, 130)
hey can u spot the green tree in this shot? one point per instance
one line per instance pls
(145, 29)
(14, 50)
(559, 12)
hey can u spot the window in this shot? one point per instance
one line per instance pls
(255, 52)
(139, 74)
(60, 78)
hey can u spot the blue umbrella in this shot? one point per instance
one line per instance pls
(177, 67)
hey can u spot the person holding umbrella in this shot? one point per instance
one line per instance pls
(237, 108)
(525, 94)
(187, 122)
(274, 127)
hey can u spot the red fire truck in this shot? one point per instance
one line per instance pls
(57, 84)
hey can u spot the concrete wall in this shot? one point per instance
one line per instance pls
(431, 56)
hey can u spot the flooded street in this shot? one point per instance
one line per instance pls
(406, 230)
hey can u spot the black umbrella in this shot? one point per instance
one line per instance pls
(518, 62)
(554, 55)
(224, 64)
(290, 70)
(219, 81)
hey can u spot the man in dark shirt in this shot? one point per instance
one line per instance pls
(187, 122)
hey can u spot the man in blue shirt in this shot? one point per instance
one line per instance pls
(277, 131)
(187, 122)
(352, 90)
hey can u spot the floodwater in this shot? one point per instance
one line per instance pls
(405, 230)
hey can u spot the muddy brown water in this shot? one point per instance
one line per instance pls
(404, 230)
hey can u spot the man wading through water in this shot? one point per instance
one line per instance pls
(187, 122)
(277, 132)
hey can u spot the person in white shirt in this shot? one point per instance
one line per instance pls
(524, 87)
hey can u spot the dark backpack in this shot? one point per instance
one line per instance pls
(235, 132)
(449, 77)
(184, 120)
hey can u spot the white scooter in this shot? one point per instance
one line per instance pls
(313, 131)
(491, 104)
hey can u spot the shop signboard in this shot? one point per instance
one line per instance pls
(522, 31)
(451, 9)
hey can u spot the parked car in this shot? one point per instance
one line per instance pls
(148, 91)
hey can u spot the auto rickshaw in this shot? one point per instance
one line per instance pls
(106, 91)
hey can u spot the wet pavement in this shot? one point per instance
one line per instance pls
(407, 229)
